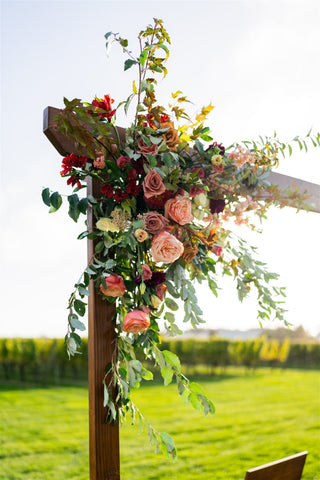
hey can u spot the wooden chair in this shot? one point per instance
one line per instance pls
(288, 468)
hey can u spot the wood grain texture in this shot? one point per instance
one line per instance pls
(289, 468)
(102, 349)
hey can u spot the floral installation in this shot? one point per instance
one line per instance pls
(167, 195)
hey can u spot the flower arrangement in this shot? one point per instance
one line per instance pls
(167, 195)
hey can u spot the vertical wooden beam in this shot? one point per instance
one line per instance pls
(102, 348)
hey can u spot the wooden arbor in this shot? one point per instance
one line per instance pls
(102, 344)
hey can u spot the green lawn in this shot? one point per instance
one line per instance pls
(260, 417)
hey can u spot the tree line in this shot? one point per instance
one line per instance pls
(46, 361)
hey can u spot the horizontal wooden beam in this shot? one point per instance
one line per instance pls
(65, 146)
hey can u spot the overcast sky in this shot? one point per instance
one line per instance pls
(256, 61)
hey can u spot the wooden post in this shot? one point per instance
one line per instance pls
(102, 349)
(104, 453)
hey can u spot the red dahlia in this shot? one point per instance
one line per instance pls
(71, 161)
(104, 104)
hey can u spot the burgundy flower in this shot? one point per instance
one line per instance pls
(132, 175)
(219, 145)
(119, 196)
(159, 200)
(133, 188)
(157, 279)
(107, 190)
(217, 206)
(195, 191)
(138, 165)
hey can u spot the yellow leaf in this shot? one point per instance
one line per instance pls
(134, 88)
(184, 137)
(174, 95)
(183, 128)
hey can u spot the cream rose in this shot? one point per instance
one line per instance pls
(201, 200)
(107, 225)
(178, 209)
(166, 248)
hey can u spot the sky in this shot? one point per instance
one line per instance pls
(257, 61)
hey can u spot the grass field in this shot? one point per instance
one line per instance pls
(260, 417)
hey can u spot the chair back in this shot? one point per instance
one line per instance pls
(288, 468)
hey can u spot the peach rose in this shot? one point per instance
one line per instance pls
(145, 149)
(155, 222)
(136, 321)
(178, 209)
(141, 235)
(166, 248)
(153, 184)
(115, 286)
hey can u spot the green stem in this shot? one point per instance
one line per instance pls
(117, 134)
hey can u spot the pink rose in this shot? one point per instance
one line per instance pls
(178, 209)
(153, 184)
(166, 248)
(136, 321)
(155, 222)
(217, 250)
(146, 272)
(152, 149)
(115, 286)
(123, 161)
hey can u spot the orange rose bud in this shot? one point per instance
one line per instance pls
(136, 321)
(115, 286)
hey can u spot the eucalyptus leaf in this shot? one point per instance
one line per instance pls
(46, 196)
